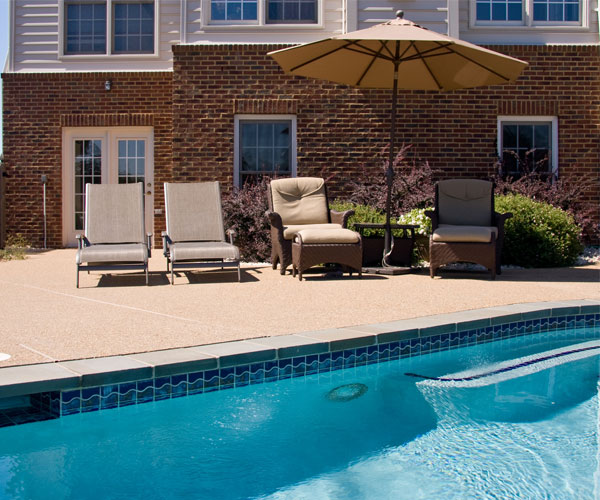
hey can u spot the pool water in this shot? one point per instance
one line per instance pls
(370, 432)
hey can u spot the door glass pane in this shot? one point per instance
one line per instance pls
(131, 160)
(87, 170)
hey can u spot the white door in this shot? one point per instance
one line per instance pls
(118, 155)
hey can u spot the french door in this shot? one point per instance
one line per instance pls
(118, 155)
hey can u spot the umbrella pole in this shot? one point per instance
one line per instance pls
(389, 174)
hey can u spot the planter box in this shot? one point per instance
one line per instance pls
(374, 246)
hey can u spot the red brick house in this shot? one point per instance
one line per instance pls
(182, 90)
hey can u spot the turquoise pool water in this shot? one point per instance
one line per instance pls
(492, 428)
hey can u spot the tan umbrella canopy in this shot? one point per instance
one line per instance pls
(399, 54)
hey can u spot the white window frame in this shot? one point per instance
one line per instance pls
(109, 34)
(261, 21)
(553, 120)
(265, 118)
(528, 23)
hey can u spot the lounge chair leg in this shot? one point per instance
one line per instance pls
(146, 269)
(77, 281)
(172, 275)
(239, 274)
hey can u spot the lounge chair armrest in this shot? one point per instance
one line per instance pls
(341, 218)
(434, 216)
(499, 220)
(275, 220)
(82, 241)
(232, 234)
(166, 242)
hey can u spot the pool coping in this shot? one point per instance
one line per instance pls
(24, 380)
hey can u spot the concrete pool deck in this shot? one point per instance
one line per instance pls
(45, 319)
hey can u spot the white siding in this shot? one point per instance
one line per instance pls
(431, 14)
(198, 29)
(563, 35)
(36, 41)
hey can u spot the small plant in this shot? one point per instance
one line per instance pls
(417, 216)
(538, 234)
(413, 185)
(244, 212)
(15, 247)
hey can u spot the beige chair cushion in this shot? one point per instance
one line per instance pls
(114, 213)
(290, 231)
(133, 252)
(325, 236)
(464, 234)
(193, 211)
(300, 200)
(465, 202)
(199, 250)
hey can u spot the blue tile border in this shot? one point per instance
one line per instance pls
(54, 404)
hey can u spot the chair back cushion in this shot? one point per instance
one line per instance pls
(300, 200)
(114, 213)
(193, 211)
(466, 202)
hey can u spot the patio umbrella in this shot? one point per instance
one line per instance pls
(398, 54)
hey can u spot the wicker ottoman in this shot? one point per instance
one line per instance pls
(326, 246)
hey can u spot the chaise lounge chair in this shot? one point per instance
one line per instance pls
(465, 226)
(296, 204)
(195, 236)
(114, 229)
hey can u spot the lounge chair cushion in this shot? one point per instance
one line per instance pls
(300, 200)
(129, 252)
(114, 214)
(290, 231)
(465, 202)
(194, 211)
(200, 250)
(465, 234)
(326, 236)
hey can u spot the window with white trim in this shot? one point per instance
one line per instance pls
(528, 12)
(102, 27)
(265, 145)
(528, 144)
(260, 12)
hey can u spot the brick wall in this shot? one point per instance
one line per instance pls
(37, 106)
(340, 129)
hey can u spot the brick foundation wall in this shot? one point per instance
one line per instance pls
(37, 106)
(340, 129)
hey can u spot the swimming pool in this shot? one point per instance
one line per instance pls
(531, 432)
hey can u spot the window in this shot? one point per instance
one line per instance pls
(265, 145)
(556, 10)
(109, 27)
(87, 170)
(527, 144)
(499, 10)
(86, 28)
(260, 12)
(528, 12)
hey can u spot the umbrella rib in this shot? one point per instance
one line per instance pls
(375, 57)
(320, 56)
(477, 63)
(423, 60)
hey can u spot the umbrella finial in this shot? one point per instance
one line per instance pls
(400, 14)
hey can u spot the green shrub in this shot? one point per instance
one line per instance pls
(417, 216)
(362, 213)
(538, 234)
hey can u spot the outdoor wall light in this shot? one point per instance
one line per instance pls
(107, 85)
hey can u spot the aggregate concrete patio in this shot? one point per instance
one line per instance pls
(44, 318)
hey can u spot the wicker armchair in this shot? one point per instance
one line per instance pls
(295, 204)
(465, 226)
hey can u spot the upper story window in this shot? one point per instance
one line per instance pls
(263, 12)
(102, 27)
(528, 12)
